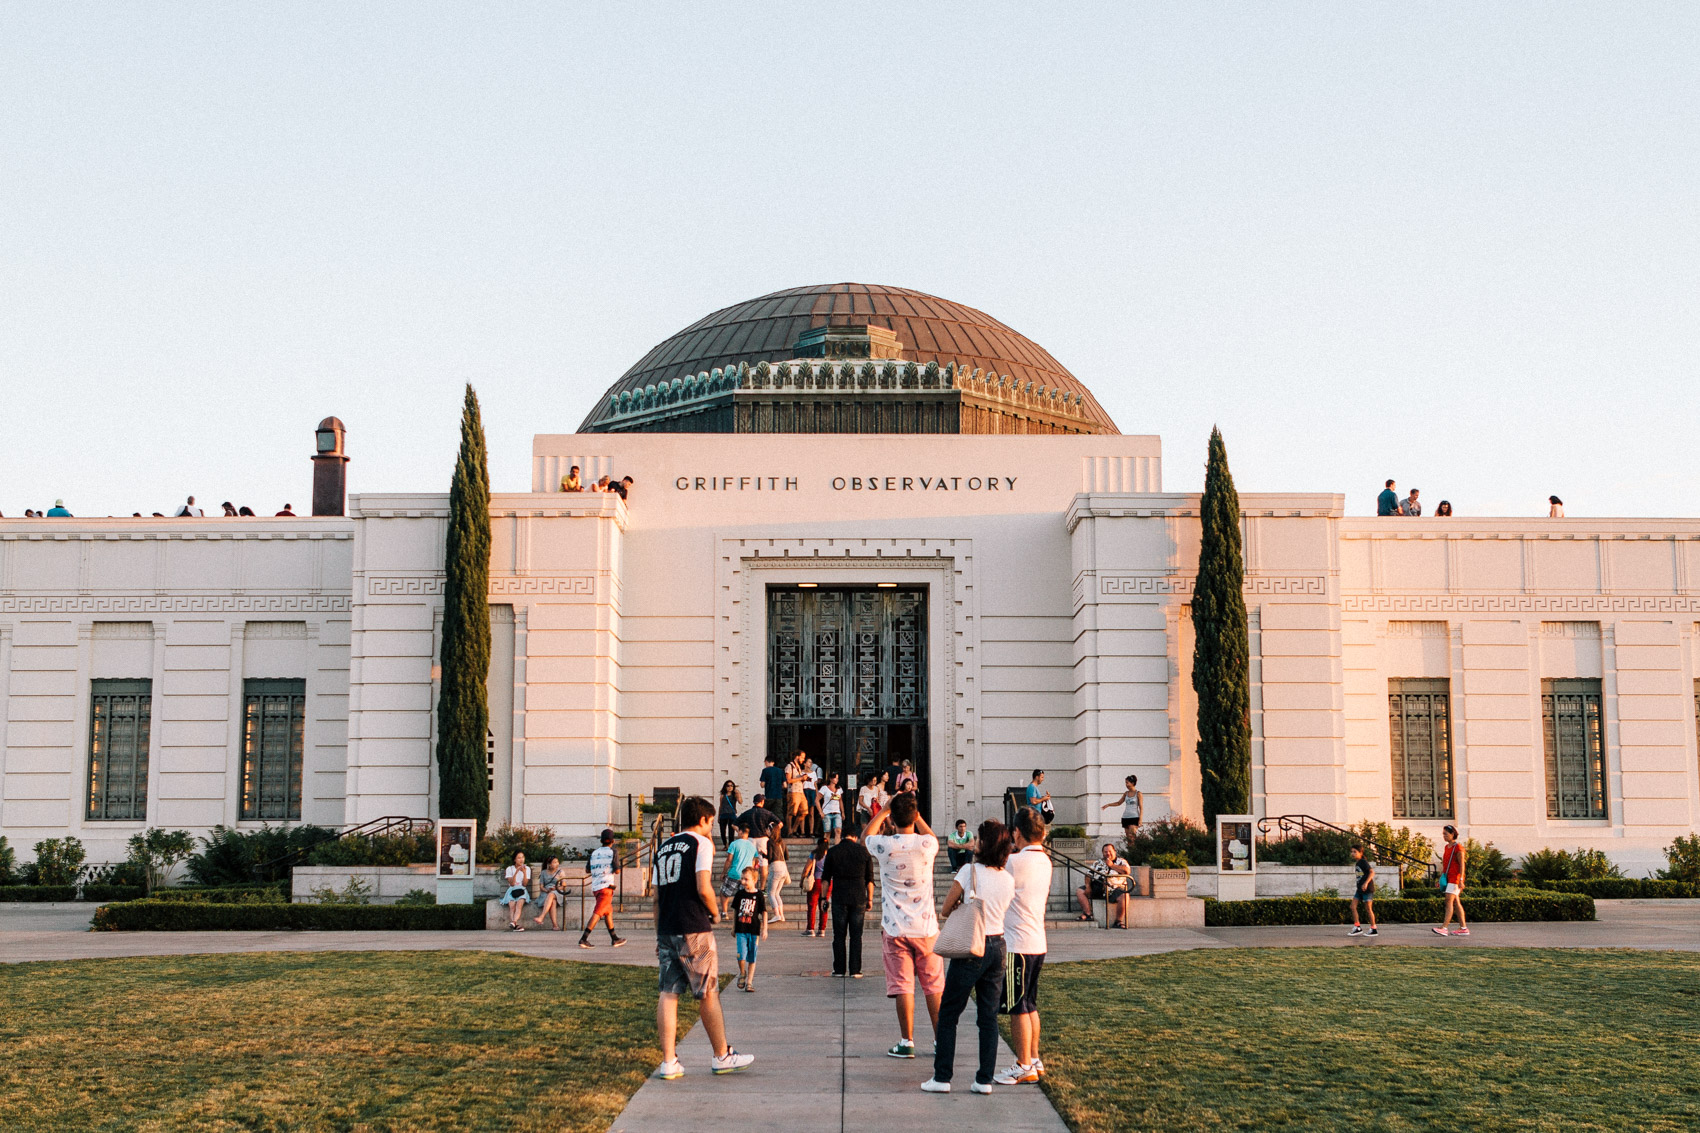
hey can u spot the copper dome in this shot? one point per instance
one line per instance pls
(927, 327)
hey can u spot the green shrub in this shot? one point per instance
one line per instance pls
(380, 849)
(242, 857)
(1170, 835)
(1311, 847)
(1401, 840)
(91, 892)
(233, 895)
(195, 916)
(1526, 906)
(1485, 864)
(419, 897)
(1624, 888)
(116, 873)
(1563, 865)
(1683, 856)
(358, 891)
(8, 861)
(59, 861)
(31, 893)
(1068, 831)
(537, 843)
(1545, 865)
(1174, 859)
(157, 853)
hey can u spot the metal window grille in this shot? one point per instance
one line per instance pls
(1574, 731)
(120, 721)
(274, 725)
(853, 653)
(1419, 713)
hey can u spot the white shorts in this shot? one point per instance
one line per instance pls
(1452, 889)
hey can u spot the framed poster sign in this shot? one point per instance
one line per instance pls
(457, 847)
(457, 860)
(1236, 857)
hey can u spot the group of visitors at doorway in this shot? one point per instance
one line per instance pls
(805, 802)
(1389, 503)
(991, 925)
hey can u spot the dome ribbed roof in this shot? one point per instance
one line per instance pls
(929, 328)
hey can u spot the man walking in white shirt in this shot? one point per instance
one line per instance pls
(908, 918)
(1024, 942)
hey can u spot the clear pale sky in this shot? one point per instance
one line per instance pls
(1459, 245)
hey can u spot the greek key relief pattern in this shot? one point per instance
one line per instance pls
(580, 584)
(1145, 585)
(1520, 604)
(175, 604)
(410, 586)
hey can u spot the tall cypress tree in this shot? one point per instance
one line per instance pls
(463, 706)
(1221, 659)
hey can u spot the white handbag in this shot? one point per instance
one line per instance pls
(963, 936)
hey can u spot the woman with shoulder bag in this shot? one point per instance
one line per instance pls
(979, 897)
(518, 895)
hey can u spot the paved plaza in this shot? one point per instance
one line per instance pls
(819, 1042)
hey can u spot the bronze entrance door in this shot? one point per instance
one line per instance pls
(847, 680)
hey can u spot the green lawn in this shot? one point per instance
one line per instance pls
(326, 1041)
(1375, 1038)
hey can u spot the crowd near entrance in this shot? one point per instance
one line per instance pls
(847, 679)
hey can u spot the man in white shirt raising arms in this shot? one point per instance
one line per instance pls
(908, 918)
(1024, 942)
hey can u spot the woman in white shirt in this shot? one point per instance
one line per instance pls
(518, 877)
(980, 976)
(832, 808)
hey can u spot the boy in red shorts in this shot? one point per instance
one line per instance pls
(604, 867)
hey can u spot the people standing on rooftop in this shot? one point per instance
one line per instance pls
(1555, 508)
(229, 508)
(58, 511)
(1410, 505)
(570, 482)
(188, 511)
(1444, 511)
(1388, 502)
(287, 511)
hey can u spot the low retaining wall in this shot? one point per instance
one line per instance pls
(388, 883)
(1287, 880)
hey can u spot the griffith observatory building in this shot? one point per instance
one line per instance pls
(871, 524)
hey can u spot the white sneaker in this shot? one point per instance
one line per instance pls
(671, 1070)
(731, 1062)
(933, 1086)
(981, 1087)
(1357, 930)
(1016, 1075)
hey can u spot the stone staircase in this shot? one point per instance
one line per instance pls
(636, 911)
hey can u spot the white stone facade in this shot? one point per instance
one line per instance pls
(630, 639)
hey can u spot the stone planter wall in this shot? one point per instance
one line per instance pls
(1287, 880)
(388, 883)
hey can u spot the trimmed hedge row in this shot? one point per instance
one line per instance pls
(1621, 888)
(192, 916)
(18, 893)
(228, 895)
(1396, 910)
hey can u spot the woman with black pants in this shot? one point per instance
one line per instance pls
(980, 976)
(731, 802)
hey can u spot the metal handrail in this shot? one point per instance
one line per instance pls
(372, 828)
(1070, 864)
(1288, 824)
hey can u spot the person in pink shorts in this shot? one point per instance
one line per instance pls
(908, 920)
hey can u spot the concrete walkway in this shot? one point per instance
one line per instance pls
(59, 932)
(821, 1066)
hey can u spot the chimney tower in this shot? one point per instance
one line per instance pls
(330, 469)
